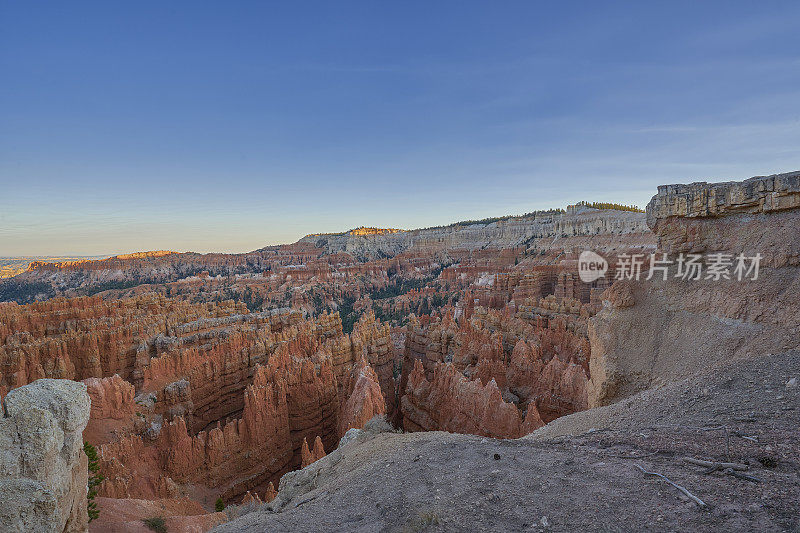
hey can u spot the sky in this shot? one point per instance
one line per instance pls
(229, 126)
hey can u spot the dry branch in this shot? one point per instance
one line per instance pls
(715, 465)
(691, 496)
(732, 472)
(746, 437)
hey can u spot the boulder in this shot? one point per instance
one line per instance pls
(45, 471)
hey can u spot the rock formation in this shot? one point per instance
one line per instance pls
(87, 337)
(211, 374)
(271, 493)
(226, 402)
(365, 400)
(44, 469)
(111, 398)
(505, 232)
(656, 330)
(451, 402)
(539, 366)
(244, 454)
(309, 456)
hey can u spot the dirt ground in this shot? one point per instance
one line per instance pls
(579, 473)
(127, 515)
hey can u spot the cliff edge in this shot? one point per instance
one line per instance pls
(680, 322)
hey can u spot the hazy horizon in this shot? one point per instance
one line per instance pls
(227, 128)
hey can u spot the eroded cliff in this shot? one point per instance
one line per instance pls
(650, 332)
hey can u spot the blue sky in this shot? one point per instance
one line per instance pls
(227, 126)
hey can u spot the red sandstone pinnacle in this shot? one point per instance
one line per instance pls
(307, 457)
(271, 493)
(251, 498)
(319, 449)
(365, 401)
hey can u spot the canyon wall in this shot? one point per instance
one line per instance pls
(78, 338)
(654, 331)
(197, 398)
(214, 375)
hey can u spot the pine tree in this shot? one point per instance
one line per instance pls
(94, 480)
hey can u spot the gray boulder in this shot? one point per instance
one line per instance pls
(44, 470)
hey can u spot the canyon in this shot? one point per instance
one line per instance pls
(236, 377)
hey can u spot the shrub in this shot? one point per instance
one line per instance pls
(156, 524)
(219, 506)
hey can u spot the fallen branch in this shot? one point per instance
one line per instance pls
(691, 496)
(732, 472)
(715, 465)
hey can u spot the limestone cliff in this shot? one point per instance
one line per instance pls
(506, 232)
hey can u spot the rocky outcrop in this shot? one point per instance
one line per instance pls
(758, 215)
(44, 469)
(762, 194)
(651, 332)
